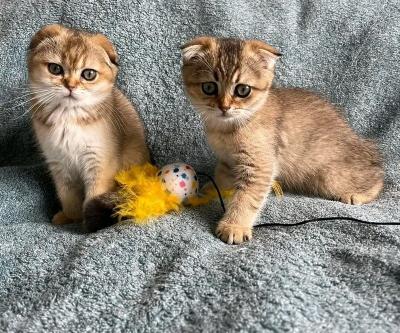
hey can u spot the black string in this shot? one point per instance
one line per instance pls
(337, 218)
(318, 219)
(216, 187)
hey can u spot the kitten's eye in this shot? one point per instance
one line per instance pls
(55, 69)
(242, 90)
(89, 74)
(209, 88)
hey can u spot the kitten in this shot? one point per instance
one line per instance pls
(261, 134)
(85, 126)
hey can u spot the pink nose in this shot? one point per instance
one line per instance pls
(224, 109)
(70, 88)
(70, 85)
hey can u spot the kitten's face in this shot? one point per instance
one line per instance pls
(227, 80)
(70, 68)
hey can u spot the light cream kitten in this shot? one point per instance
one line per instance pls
(85, 126)
(261, 134)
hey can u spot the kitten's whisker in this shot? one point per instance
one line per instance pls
(26, 112)
(28, 90)
(19, 89)
(28, 97)
(39, 103)
(35, 106)
(27, 101)
(28, 85)
(19, 98)
(45, 100)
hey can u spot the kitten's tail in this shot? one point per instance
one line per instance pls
(99, 212)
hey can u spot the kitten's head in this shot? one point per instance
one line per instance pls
(227, 80)
(71, 68)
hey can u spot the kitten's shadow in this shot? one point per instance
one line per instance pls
(71, 228)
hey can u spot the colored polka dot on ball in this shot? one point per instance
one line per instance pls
(178, 180)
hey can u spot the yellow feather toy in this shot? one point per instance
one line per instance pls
(147, 191)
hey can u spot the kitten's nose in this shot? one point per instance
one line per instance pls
(70, 88)
(224, 109)
(70, 85)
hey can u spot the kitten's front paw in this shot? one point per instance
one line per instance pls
(61, 219)
(232, 233)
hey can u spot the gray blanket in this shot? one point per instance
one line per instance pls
(174, 274)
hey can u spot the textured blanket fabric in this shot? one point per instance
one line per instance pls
(174, 275)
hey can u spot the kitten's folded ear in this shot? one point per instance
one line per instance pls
(196, 47)
(268, 53)
(48, 31)
(106, 44)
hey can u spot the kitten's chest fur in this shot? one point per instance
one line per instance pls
(252, 139)
(71, 145)
(223, 146)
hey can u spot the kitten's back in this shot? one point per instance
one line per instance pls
(314, 138)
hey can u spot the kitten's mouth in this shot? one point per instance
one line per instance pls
(225, 115)
(70, 97)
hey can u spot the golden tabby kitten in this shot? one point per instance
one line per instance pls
(85, 126)
(261, 134)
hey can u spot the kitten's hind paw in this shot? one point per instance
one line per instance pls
(233, 233)
(60, 219)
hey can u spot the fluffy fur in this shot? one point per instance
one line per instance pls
(86, 128)
(289, 135)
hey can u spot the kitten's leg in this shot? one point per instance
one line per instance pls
(134, 153)
(100, 181)
(60, 218)
(100, 197)
(367, 196)
(354, 197)
(70, 196)
(351, 186)
(253, 184)
(223, 177)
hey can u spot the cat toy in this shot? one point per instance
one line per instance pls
(147, 191)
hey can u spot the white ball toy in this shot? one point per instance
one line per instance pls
(179, 179)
